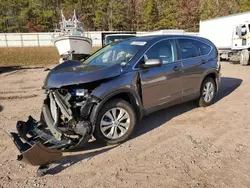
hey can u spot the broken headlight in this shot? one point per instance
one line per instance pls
(79, 96)
(79, 92)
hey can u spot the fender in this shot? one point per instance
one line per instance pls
(124, 84)
(217, 77)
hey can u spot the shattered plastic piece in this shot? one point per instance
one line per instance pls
(40, 155)
(39, 148)
(29, 140)
(35, 155)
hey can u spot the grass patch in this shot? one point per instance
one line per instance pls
(26, 56)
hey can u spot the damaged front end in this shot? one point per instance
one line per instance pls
(64, 125)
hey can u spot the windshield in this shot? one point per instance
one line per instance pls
(117, 38)
(116, 53)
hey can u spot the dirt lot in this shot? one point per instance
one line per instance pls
(182, 146)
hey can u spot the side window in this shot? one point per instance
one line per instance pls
(188, 49)
(204, 48)
(164, 50)
(192, 48)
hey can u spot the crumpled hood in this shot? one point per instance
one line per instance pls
(74, 72)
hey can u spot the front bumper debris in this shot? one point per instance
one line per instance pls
(37, 147)
(41, 143)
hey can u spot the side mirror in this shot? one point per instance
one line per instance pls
(152, 63)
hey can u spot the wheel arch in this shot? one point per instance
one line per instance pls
(214, 75)
(126, 94)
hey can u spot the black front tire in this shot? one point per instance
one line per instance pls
(115, 103)
(202, 102)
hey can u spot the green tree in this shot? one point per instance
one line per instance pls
(188, 15)
(244, 5)
(167, 14)
(101, 15)
(215, 8)
(110, 15)
(150, 14)
(44, 15)
(9, 15)
(116, 15)
(208, 9)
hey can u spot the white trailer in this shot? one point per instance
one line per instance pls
(231, 35)
(166, 32)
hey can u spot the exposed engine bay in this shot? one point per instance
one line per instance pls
(64, 125)
(74, 95)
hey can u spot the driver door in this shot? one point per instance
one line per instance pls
(161, 85)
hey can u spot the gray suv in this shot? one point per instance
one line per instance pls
(108, 93)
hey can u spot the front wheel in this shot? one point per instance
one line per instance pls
(115, 122)
(208, 92)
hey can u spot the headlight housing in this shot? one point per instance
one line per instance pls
(79, 92)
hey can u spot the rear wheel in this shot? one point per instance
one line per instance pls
(115, 122)
(208, 92)
(244, 57)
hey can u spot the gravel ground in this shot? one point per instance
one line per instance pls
(182, 146)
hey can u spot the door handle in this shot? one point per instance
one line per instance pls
(176, 68)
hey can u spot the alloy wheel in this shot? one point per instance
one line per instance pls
(208, 92)
(115, 123)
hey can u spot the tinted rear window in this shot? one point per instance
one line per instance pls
(204, 48)
(192, 48)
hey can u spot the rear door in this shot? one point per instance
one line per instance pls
(161, 85)
(192, 54)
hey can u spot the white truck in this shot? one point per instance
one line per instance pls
(231, 35)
